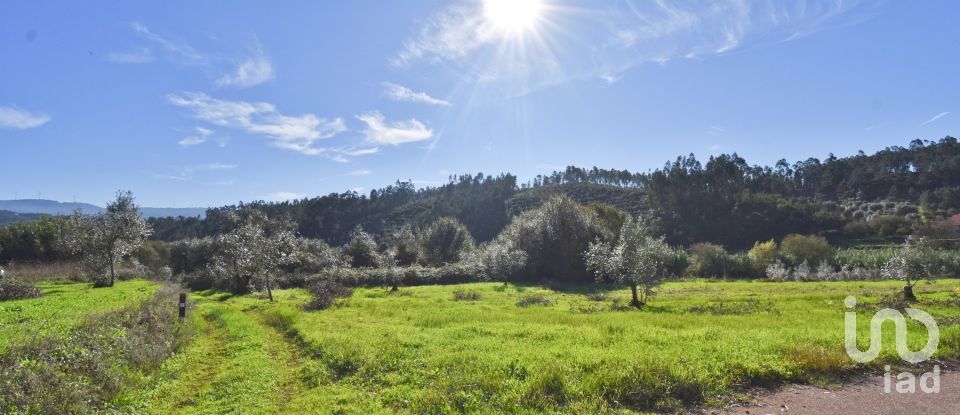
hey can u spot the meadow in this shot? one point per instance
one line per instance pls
(494, 348)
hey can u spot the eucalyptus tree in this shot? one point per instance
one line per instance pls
(634, 258)
(106, 238)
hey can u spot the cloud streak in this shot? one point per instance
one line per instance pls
(936, 117)
(401, 93)
(296, 133)
(381, 132)
(16, 118)
(201, 136)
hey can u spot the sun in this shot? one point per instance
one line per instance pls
(513, 16)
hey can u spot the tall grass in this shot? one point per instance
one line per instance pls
(84, 369)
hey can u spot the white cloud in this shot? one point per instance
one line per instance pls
(361, 172)
(296, 133)
(284, 196)
(936, 117)
(402, 93)
(199, 138)
(220, 166)
(144, 55)
(16, 118)
(379, 131)
(179, 50)
(254, 70)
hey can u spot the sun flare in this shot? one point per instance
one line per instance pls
(513, 16)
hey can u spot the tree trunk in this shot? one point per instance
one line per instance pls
(635, 302)
(394, 287)
(908, 293)
(269, 291)
(111, 270)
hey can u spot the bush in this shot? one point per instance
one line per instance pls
(362, 250)
(445, 241)
(554, 238)
(465, 295)
(11, 289)
(709, 260)
(501, 261)
(811, 250)
(764, 253)
(326, 292)
(534, 300)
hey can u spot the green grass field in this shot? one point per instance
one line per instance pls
(421, 351)
(62, 306)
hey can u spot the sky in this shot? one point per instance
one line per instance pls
(196, 104)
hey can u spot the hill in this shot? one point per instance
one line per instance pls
(52, 207)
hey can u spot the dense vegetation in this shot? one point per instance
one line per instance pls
(315, 299)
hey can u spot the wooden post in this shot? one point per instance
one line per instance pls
(183, 305)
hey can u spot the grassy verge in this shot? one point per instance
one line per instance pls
(63, 306)
(87, 367)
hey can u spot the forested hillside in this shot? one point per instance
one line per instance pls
(724, 200)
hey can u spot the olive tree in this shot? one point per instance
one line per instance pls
(254, 253)
(105, 238)
(500, 260)
(634, 258)
(909, 263)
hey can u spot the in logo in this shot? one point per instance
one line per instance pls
(907, 381)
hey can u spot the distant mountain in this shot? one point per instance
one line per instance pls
(52, 207)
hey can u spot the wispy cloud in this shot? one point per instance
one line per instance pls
(254, 70)
(716, 130)
(140, 56)
(361, 172)
(401, 93)
(178, 49)
(379, 131)
(201, 136)
(188, 173)
(16, 118)
(284, 196)
(936, 117)
(613, 36)
(296, 133)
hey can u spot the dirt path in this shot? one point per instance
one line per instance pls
(863, 396)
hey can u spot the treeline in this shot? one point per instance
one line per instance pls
(724, 200)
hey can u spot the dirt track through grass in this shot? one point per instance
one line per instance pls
(236, 364)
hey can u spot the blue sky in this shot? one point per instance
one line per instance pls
(197, 104)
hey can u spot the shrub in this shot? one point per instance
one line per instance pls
(466, 295)
(709, 260)
(534, 300)
(743, 266)
(406, 249)
(326, 292)
(499, 260)
(811, 250)
(11, 289)
(763, 253)
(362, 249)
(445, 241)
(554, 237)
